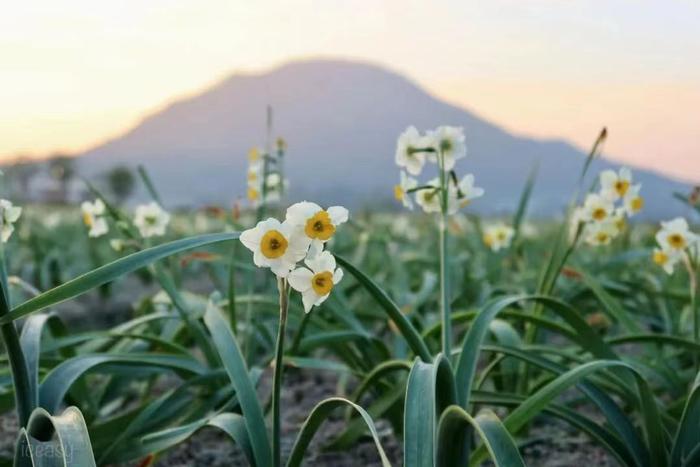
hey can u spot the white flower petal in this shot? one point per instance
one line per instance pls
(338, 215)
(300, 279)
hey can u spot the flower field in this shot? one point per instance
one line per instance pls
(447, 333)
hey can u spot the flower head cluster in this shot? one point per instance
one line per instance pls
(151, 220)
(675, 242)
(265, 180)
(9, 214)
(301, 237)
(604, 213)
(94, 217)
(498, 236)
(442, 146)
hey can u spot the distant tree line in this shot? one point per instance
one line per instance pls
(53, 180)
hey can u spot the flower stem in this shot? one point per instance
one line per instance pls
(25, 394)
(444, 268)
(277, 377)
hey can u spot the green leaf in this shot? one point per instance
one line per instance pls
(57, 383)
(429, 390)
(468, 358)
(402, 323)
(687, 437)
(453, 431)
(235, 366)
(111, 271)
(60, 440)
(321, 413)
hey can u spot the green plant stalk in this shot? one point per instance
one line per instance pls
(25, 398)
(444, 272)
(277, 376)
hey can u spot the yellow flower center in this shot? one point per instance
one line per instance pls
(637, 204)
(602, 237)
(621, 187)
(319, 226)
(660, 258)
(322, 282)
(676, 241)
(599, 214)
(399, 193)
(501, 235)
(488, 240)
(273, 244)
(88, 220)
(464, 203)
(620, 223)
(252, 176)
(253, 194)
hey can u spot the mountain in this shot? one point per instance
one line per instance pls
(340, 120)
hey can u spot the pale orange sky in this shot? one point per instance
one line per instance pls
(75, 72)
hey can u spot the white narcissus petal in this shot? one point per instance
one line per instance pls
(337, 276)
(299, 213)
(259, 259)
(308, 298)
(98, 207)
(13, 213)
(608, 178)
(326, 262)
(338, 215)
(300, 279)
(251, 238)
(6, 232)
(99, 227)
(321, 299)
(315, 249)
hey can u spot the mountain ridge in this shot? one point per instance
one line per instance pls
(339, 117)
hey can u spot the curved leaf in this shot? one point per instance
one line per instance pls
(111, 271)
(318, 415)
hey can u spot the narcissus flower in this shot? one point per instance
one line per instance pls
(315, 282)
(498, 236)
(401, 190)
(601, 233)
(597, 208)
(411, 150)
(429, 198)
(467, 190)
(93, 217)
(666, 259)
(276, 245)
(675, 235)
(9, 214)
(151, 220)
(632, 201)
(449, 142)
(614, 185)
(316, 223)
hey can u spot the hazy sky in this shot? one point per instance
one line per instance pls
(76, 71)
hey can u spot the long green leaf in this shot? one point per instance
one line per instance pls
(57, 383)
(111, 271)
(453, 430)
(234, 363)
(321, 413)
(402, 323)
(37, 447)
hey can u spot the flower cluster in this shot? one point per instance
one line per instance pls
(94, 218)
(151, 220)
(9, 214)
(498, 236)
(442, 146)
(301, 237)
(603, 214)
(265, 175)
(675, 241)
